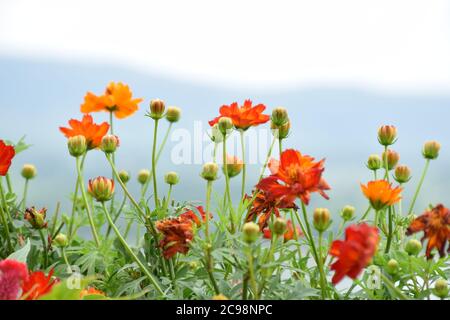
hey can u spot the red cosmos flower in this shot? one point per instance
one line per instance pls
(436, 227)
(12, 275)
(264, 206)
(38, 285)
(288, 235)
(243, 117)
(93, 132)
(191, 216)
(177, 234)
(6, 155)
(355, 253)
(300, 176)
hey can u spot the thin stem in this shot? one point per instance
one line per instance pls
(391, 286)
(5, 204)
(44, 248)
(422, 179)
(111, 126)
(366, 213)
(130, 252)
(74, 203)
(8, 183)
(6, 227)
(63, 254)
(122, 205)
(209, 258)
(244, 166)
(251, 272)
(169, 193)
(86, 202)
(267, 159)
(155, 184)
(386, 164)
(390, 230)
(25, 192)
(280, 146)
(227, 184)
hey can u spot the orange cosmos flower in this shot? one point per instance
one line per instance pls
(38, 285)
(91, 292)
(436, 227)
(264, 206)
(117, 99)
(243, 117)
(177, 235)
(300, 176)
(6, 155)
(381, 194)
(288, 235)
(355, 252)
(192, 217)
(93, 132)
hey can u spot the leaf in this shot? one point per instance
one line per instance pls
(19, 146)
(64, 291)
(22, 254)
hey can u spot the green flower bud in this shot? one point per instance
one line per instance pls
(387, 135)
(210, 171)
(216, 135)
(109, 143)
(402, 174)
(281, 132)
(29, 171)
(144, 176)
(413, 247)
(77, 146)
(321, 219)
(101, 189)
(124, 176)
(61, 240)
(234, 166)
(172, 178)
(173, 114)
(431, 150)
(225, 125)
(280, 226)
(374, 163)
(392, 267)
(279, 116)
(157, 108)
(251, 232)
(441, 289)
(392, 159)
(347, 213)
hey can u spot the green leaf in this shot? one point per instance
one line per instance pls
(63, 291)
(22, 254)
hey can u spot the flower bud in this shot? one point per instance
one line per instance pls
(441, 289)
(29, 171)
(431, 150)
(251, 232)
(61, 240)
(280, 226)
(234, 166)
(387, 135)
(216, 135)
(413, 247)
(392, 159)
(392, 267)
(172, 178)
(279, 116)
(173, 114)
(225, 125)
(101, 189)
(124, 176)
(144, 176)
(210, 171)
(402, 174)
(281, 132)
(374, 163)
(109, 143)
(321, 219)
(77, 146)
(157, 108)
(347, 213)
(36, 218)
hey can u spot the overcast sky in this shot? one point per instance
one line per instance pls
(399, 46)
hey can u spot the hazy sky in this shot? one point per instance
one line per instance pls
(401, 45)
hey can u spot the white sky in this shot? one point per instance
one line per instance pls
(390, 45)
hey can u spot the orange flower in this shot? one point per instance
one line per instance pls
(355, 253)
(38, 285)
(117, 99)
(243, 117)
(93, 132)
(264, 206)
(381, 194)
(300, 175)
(177, 235)
(191, 216)
(288, 235)
(6, 155)
(436, 227)
(91, 292)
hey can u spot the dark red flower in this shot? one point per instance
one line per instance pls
(243, 117)
(299, 176)
(355, 252)
(12, 275)
(190, 215)
(177, 235)
(38, 285)
(6, 155)
(436, 227)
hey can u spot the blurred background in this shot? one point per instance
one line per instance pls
(342, 68)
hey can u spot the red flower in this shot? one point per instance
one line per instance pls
(243, 117)
(264, 206)
(12, 275)
(38, 285)
(355, 253)
(300, 176)
(93, 132)
(436, 227)
(288, 235)
(6, 155)
(177, 235)
(190, 215)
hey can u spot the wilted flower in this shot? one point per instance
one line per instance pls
(93, 132)
(36, 218)
(381, 194)
(190, 215)
(7, 153)
(436, 227)
(355, 252)
(243, 117)
(101, 189)
(177, 235)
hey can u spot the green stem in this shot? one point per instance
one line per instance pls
(44, 248)
(5, 205)
(111, 126)
(251, 273)
(122, 205)
(269, 153)
(244, 166)
(416, 194)
(130, 252)
(74, 204)
(209, 258)
(366, 213)
(391, 286)
(280, 147)
(155, 184)
(63, 254)
(6, 227)
(227, 185)
(8, 183)
(386, 165)
(390, 230)
(25, 192)
(169, 193)
(86, 202)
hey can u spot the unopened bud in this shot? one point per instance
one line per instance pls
(392, 159)
(77, 146)
(172, 178)
(413, 247)
(210, 171)
(431, 150)
(234, 166)
(441, 289)
(280, 226)
(144, 176)
(157, 108)
(173, 114)
(61, 240)
(402, 174)
(124, 176)
(251, 232)
(321, 218)
(110, 143)
(347, 213)
(281, 132)
(279, 116)
(225, 125)
(392, 267)
(29, 171)
(374, 163)
(101, 189)
(387, 135)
